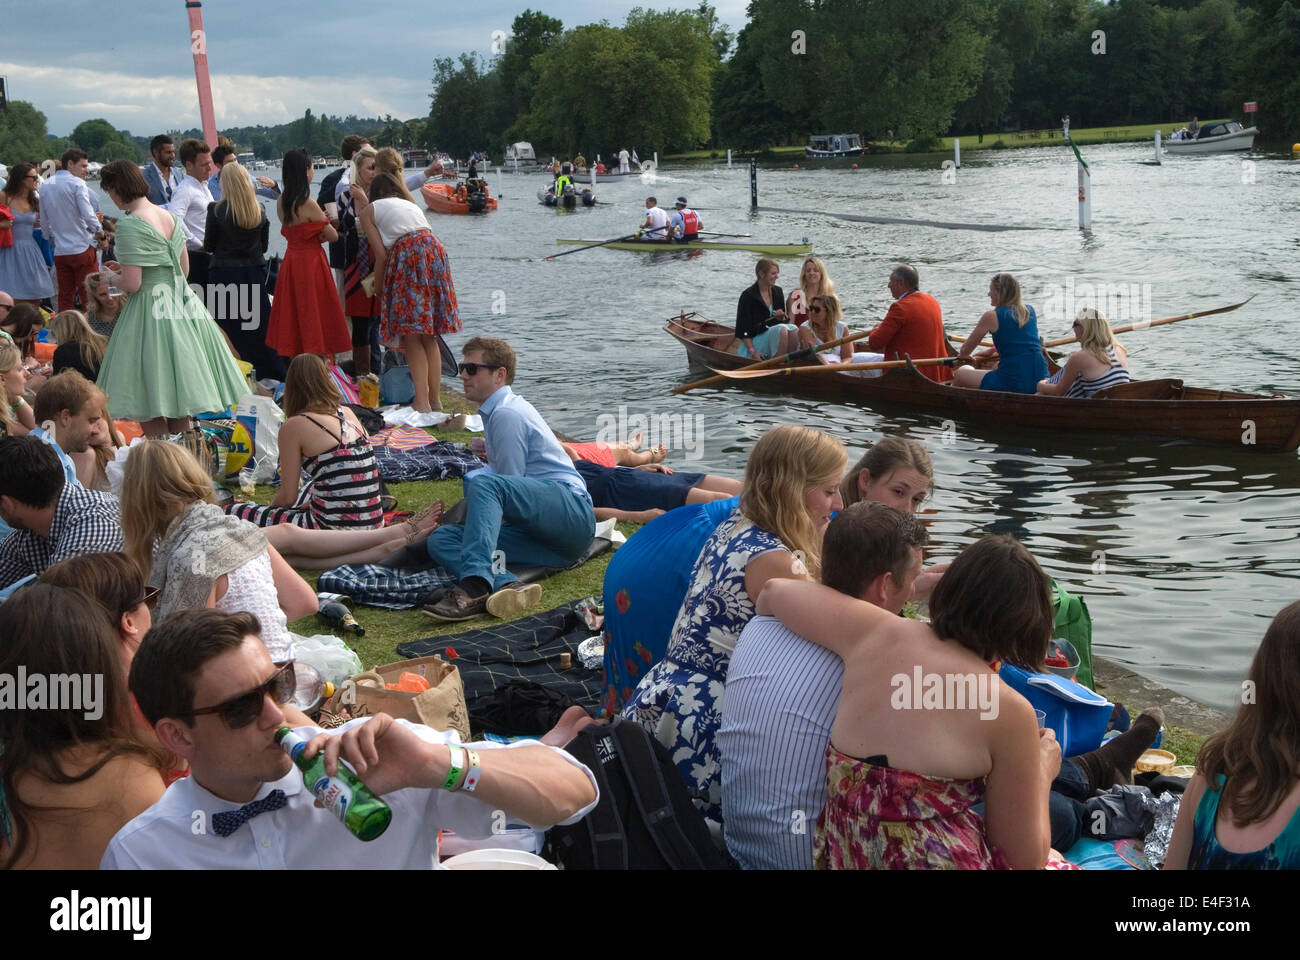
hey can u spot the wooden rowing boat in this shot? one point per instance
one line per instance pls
(1156, 408)
(752, 246)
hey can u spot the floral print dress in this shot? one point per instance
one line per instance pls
(679, 702)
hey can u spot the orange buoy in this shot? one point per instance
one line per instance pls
(855, 166)
(796, 166)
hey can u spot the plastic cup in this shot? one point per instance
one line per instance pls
(1042, 718)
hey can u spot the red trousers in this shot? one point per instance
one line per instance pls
(72, 271)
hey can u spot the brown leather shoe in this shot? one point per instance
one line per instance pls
(456, 604)
(513, 599)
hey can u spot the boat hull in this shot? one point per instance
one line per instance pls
(1155, 408)
(441, 198)
(652, 246)
(1242, 140)
(815, 154)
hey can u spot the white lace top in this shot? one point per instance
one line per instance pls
(251, 589)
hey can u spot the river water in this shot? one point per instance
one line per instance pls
(1182, 552)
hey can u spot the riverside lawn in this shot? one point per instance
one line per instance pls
(385, 629)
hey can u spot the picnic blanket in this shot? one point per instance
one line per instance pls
(436, 460)
(525, 649)
(401, 438)
(401, 588)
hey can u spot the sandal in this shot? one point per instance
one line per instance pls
(415, 527)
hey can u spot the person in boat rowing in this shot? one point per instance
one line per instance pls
(684, 225)
(1099, 363)
(1014, 327)
(655, 226)
(823, 326)
(761, 328)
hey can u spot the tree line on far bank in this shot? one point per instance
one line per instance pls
(901, 70)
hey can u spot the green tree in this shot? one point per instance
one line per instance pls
(1269, 52)
(462, 116)
(104, 142)
(531, 34)
(744, 116)
(22, 134)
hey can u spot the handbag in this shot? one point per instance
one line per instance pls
(7, 236)
(441, 707)
(272, 273)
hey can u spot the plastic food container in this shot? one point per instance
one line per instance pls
(1071, 655)
(496, 860)
(1158, 761)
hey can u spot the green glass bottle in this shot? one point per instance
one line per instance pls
(344, 794)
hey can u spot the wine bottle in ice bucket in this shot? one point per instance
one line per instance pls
(344, 794)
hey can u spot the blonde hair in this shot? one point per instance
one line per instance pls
(160, 482)
(784, 464)
(71, 326)
(834, 314)
(363, 153)
(101, 308)
(388, 160)
(238, 196)
(1096, 335)
(309, 387)
(1006, 289)
(825, 286)
(10, 357)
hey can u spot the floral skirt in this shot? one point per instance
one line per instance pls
(418, 294)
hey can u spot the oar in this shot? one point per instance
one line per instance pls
(773, 361)
(1142, 325)
(748, 374)
(630, 236)
(745, 236)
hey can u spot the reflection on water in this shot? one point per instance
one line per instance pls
(1183, 553)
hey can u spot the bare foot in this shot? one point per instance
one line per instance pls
(424, 522)
(659, 454)
(634, 442)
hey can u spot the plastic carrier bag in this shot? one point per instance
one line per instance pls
(333, 659)
(261, 417)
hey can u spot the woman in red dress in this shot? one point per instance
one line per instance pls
(306, 316)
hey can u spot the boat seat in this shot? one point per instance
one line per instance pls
(1165, 389)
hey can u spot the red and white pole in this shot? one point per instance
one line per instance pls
(199, 46)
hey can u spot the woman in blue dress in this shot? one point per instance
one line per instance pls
(23, 273)
(1014, 327)
(792, 486)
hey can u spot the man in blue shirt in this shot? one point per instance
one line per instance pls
(262, 186)
(162, 177)
(528, 507)
(68, 221)
(783, 692)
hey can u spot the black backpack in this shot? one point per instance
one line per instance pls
(644, 819)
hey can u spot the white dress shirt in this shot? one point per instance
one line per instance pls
(300, 835)
(781, 697)
(67, 216)
(190, 202)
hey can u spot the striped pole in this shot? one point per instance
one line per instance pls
(199, 46)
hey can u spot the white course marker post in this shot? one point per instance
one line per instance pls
(1085, 189)
(728, 157)
(956, 151)
(1157, 145)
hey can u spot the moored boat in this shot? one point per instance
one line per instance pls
(472, 196)
(1157, 408)
(833, 145)
(752, 246)
(1216, 136)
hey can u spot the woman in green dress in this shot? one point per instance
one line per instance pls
(167, 359)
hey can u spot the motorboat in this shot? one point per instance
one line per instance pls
(833, 145)
(1215, 136)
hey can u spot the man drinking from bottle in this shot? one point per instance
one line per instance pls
(204, 680)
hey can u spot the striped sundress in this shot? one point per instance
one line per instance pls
(1117, 374)
(341, 490)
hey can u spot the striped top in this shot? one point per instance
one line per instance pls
(344, 484)
(1117, 374)
(781, 697)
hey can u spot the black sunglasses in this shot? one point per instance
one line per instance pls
(149, 598)
(473, 368)
(242, 710)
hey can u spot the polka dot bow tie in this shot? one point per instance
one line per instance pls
(224, 824)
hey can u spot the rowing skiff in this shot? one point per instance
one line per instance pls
(1155, 408)
(751, 246)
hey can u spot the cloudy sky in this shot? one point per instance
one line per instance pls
(131, 64)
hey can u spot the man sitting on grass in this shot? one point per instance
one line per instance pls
(528, 507)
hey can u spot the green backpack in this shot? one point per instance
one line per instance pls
(1074, 624)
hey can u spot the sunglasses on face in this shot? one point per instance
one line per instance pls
(473, 368)
(242, 710)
